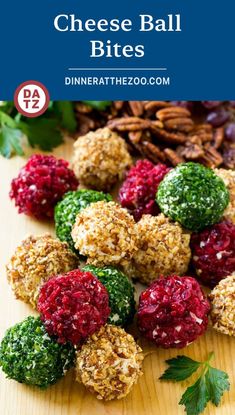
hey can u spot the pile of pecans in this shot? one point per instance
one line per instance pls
(161, 132)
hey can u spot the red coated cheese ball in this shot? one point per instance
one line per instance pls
(40, 184)
(73, 306)
(138, 191)
(213, 252)
(173, 311)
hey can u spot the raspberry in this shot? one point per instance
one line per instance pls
(138, 191)
(73, 306)
(173, 311)
(213, 252)
(41, 183)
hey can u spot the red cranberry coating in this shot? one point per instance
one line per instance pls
(213, 252)
(73, 306)
(138, 191)
(173, 311)
(41, 183)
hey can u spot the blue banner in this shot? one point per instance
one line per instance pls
(119, 50)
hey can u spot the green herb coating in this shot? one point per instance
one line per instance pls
(28, 355)
(68, 208)
(192, 195)
(121, 293)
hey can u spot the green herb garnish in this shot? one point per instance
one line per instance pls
(209, 387)
(43, 132)
(192, 195)
(29, 355)
(121, 293)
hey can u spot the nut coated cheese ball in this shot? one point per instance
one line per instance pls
(109, 363)
(68, 208)
(105, 234)
(35, 260)
(223, 306)
(100, 159)
(228, 176)
(163, 249)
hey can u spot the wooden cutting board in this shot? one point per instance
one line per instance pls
(67, 397)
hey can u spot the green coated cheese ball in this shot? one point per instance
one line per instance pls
(121, 293)
(192, 195)
(28, 355)
(68, 208)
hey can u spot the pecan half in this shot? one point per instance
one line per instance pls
(129, 124)
(191, 151)
(136, 107)
(167, 136)
(154, 105)
(173, 156)
(202, 131)
(172, 112)
(184, 125)
(152, 152)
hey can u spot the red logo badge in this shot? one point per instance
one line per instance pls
(31, 98)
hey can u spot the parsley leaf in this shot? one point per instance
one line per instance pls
(98, 105)
(210, 385)
(10, 141)
(42, 132)
(67, 115)
(180, 368)
(217, 383)
(196, 397)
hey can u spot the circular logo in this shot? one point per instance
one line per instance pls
(31, 98)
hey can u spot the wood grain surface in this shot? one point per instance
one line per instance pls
(67, 397)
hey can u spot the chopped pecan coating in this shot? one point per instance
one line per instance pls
(109, 363)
